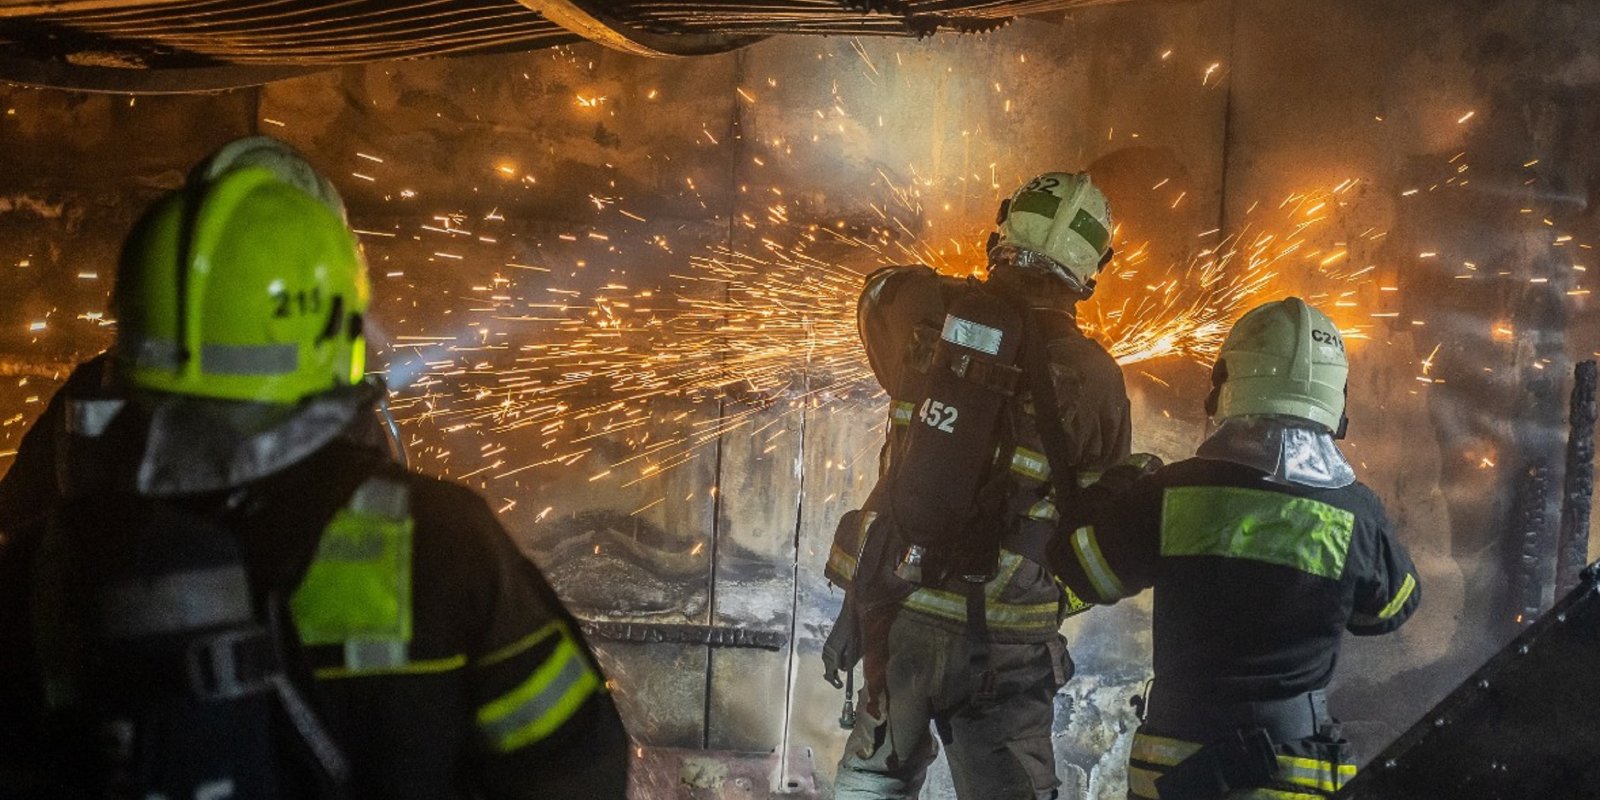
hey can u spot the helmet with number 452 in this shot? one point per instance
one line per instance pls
(247, 284)
(1058, 224)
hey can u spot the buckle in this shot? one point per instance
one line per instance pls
(230, 664)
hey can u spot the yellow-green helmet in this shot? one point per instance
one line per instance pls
(245, 285)
(1060, 224)
(1283, 357)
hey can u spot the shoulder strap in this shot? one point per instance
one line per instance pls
(1047, 412)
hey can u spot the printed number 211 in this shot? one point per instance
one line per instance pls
(938, 415)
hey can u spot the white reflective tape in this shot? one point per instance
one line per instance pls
(374, 654)
(382, 497)
(202, 598)
(91, 417)
(972, 335)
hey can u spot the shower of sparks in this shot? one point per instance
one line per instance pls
(672, 370)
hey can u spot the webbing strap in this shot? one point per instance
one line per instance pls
(1047, 417)
(978, 633)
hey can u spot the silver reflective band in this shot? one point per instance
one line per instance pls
(364, 654)
(381, 497)
(201, 598)
(157, 354)
(972, 335)
(249, 359)
(536, 707)
(90, 418)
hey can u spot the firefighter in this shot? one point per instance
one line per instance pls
(1262, 550)
(211, 583)
(999, 406)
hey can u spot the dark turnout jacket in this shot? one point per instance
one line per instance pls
(489, 692)
(1255, 581)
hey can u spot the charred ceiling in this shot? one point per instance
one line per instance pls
(196, 45)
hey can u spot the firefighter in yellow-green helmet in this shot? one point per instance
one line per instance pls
(216, 581)
(1263, 550)
(999, 407)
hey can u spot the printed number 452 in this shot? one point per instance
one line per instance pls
(938, 415)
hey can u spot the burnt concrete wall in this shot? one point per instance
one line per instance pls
(540, 227)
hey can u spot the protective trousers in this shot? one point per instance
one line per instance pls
(918, 673)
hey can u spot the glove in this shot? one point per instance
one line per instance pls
(1122, 476)
(842, 649)
(1146, 463)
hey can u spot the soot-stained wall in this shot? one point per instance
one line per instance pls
(616, 296)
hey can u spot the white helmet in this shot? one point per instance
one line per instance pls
(1286, 358)
(1059, 224)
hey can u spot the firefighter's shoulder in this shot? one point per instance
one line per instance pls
(884, 284)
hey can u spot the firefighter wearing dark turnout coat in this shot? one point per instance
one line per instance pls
(949, 605)
(1262, 551)
(212, 584)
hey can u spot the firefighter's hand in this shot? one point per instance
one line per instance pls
(842, 649)
(1122, 476)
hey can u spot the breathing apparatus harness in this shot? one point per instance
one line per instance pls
(947, 487)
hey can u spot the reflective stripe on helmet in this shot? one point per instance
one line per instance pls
(249, 359)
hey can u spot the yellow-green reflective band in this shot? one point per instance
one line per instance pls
(543, 703)
(522, 645)
(1075, 604)
(1256, 524)
(357, 592)
(1165, 753)
(1324, 775)
(425, 667)
(1044, 510)
(1400, 597)
(953, 606)
(1087, 547)
(1161, 750)
(1142, 783)
(901, 413)
(1030, 463)
(842, 562)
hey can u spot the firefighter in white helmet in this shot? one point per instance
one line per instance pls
(999, 407)
(1262, 550)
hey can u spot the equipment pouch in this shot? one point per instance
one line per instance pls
(1247, 761)
(849, 540)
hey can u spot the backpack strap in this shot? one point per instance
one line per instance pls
(1047, 412)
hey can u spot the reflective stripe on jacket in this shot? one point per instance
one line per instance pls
(356, 598)
(1298, 778)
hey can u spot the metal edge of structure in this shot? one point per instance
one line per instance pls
(111, 80)
(584, 19)
(1503, 733)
